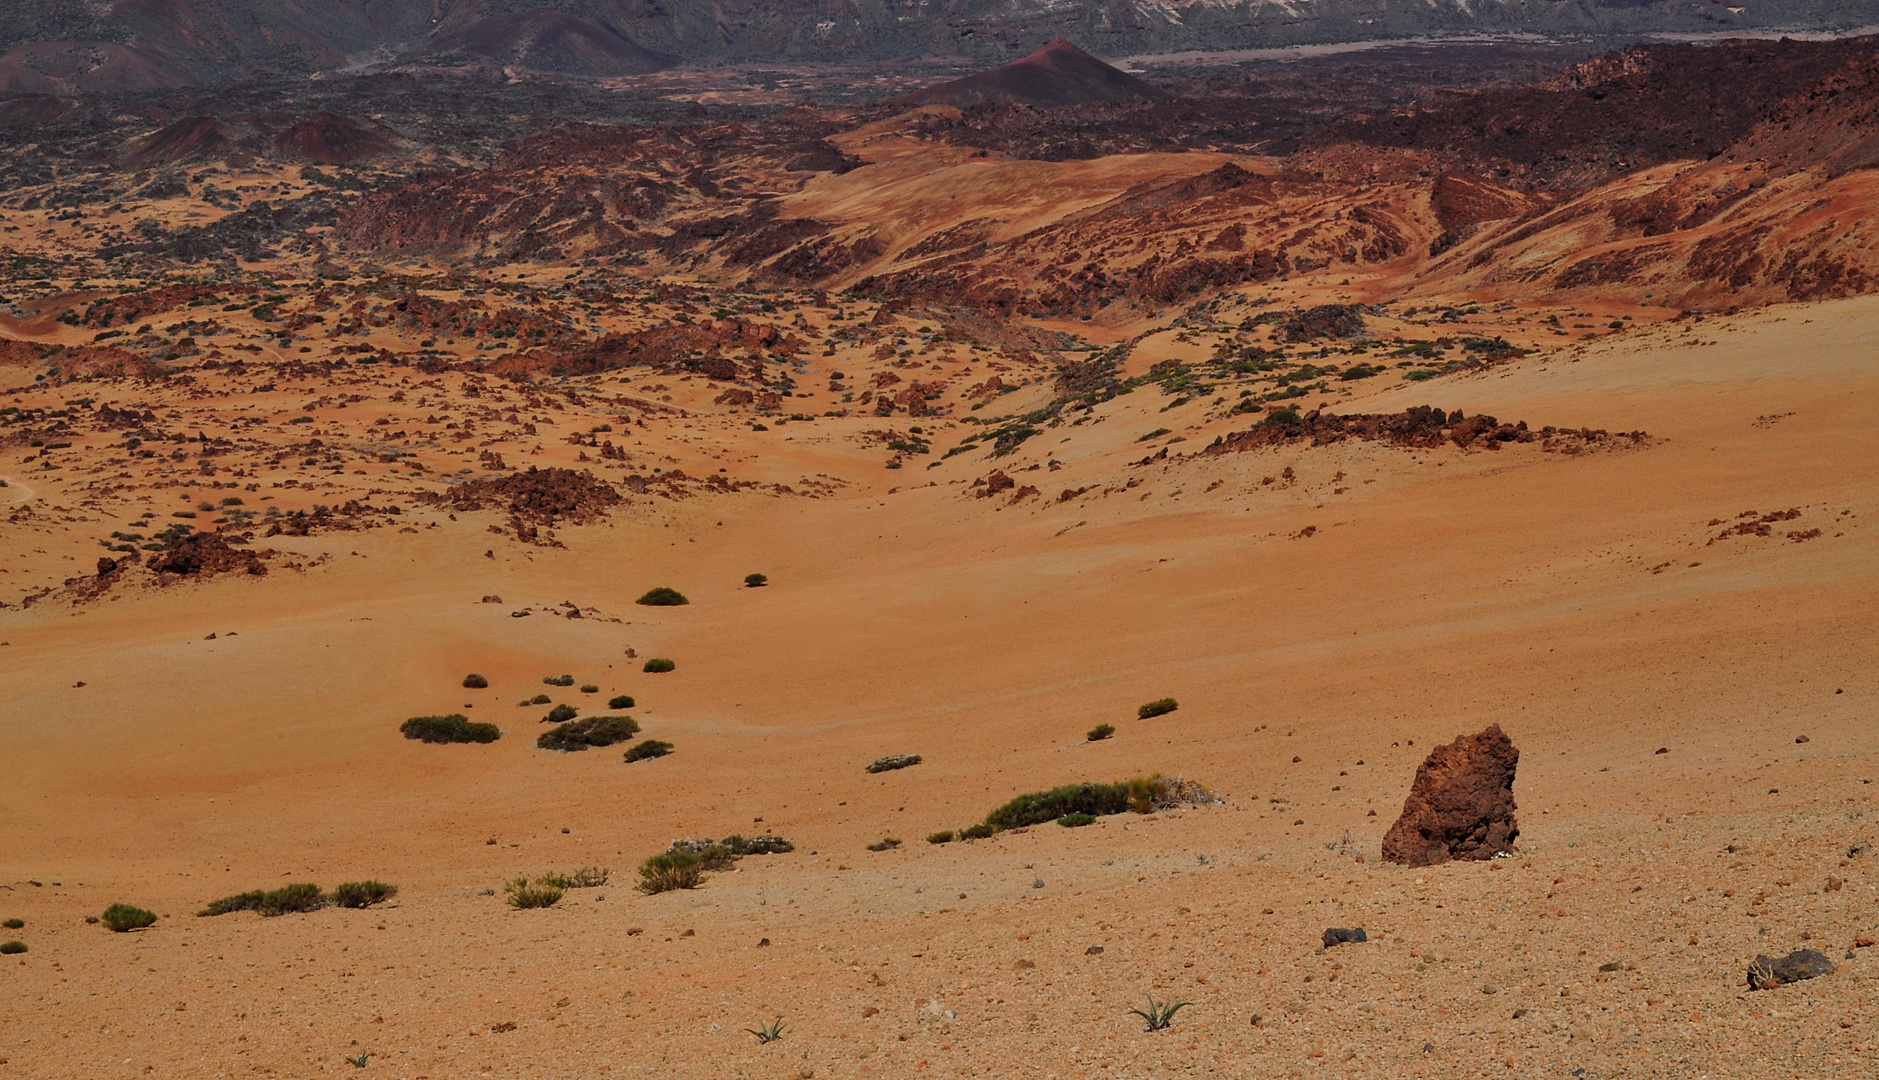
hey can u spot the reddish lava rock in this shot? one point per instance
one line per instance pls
(1461, 805)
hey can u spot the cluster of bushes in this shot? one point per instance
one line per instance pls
(892, 762)
(9, 948)
(683, 865)
(1076, 805)
(303, 896)
(455, 728)
(648, 749)
(593, 731)
(558, 680)
(548, 889)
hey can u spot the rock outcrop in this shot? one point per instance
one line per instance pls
(1461, 805)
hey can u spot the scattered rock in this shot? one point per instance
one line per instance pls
(1801, 739)
(1461, 805)
(1093, 950)
(204, 555)
(1612, 966)
(491, 598)
(1767, 973)
(1337, 936)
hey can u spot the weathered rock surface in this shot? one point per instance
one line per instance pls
(1461, 805)
(1768, 972)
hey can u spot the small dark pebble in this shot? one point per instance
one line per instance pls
(1093, 950)
(1800, 738)
(1613, 966)
(1661, 750)
(1518, 1013)
(763, 944)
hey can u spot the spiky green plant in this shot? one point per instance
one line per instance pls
(1159, 1016)
(768, 1033)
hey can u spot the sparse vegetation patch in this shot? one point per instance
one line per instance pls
(1158, 707)
(1101, 732)
(455, 728)
(1142, 795)
(648, 749)
(593, 731)
(122, 918)
(362, 894)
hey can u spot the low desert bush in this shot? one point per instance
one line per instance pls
(303, 896)
(475, 682)
(589, 877)
(944, 836)
(362, 894)
(624, 701)
(561, 714)
(981, 831)
(590, 688)
(1101, 732)
(755, 581)
(659, 664)
(756, 845)
(892, 762)
(520, 893)
(121, 918)
(558, 680)
(886, 843)
(13, 948)
(455, 728)
(14, 924)
(1038, 807)
(247, 901)
(671, 870)
(593, 731)
(1076, 821)
(647, 750)
(663, 597)
(1158, 707)
(538, 699)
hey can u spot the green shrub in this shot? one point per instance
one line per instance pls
(247, 901)
(755, 581)
(558, 680)
(538, 699)
(892, 762)
(651, 748)
(362, 894)
(291, 898)
(14, 924)
(981, 831)
(475, 682)
(1158, 707)
(1076, 821)
(756, 845)
(560, 714)
(659, 664)
(886, 843)
(944, 836)
(590, 688)
(624, 701)
(120, 918)
(671, 870)
(1101, 732)
(663, 597)
(12, 948)
(520, 894)
(1041, 806)
(593, 731)
(589, 877)
(455, 728)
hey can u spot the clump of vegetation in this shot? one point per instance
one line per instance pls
(538, 699)
(560, 714)
(1101, 732)
(589, 877)
(1143, 795)
(755, 581)
(623, 701)
(362, 894)
(247, 901)
(886, 843)
(1158, 1016)
(590, 688)
(981, 831)
(944, 836)
(648, 749)
(455, 728)
(671, 870)
(768, 1033)
(659, 664)
(593, 731)
(892, 762)
(663, 597)
(301, 896)
(521, 893)
(13, 948)
(475, 682)
(122, 918)
(558, 680)
(1076, 821)
(1158, 707)
(14, 924)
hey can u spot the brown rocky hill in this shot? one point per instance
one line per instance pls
(1056, 75)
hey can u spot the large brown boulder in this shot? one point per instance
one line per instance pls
(1461, 805)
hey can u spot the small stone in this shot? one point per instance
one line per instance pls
(1661, 750)
(1490, 988)
(1801, 739)
(1337, 936)
(1801, 964)
(763, 943)
(1613, 966)
(1093, 950)
(1518, 1013)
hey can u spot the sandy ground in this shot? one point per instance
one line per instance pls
(1577, 601)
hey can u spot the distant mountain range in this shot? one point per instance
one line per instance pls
(160, 41)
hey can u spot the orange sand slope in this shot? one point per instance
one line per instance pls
(1321, 632)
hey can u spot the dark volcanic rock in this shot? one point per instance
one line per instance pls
(1767, 972)
(1461, 805)
(203, 555)
(1338, 936)
(1056, 75)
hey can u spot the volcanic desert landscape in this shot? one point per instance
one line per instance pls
(1328, 539)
